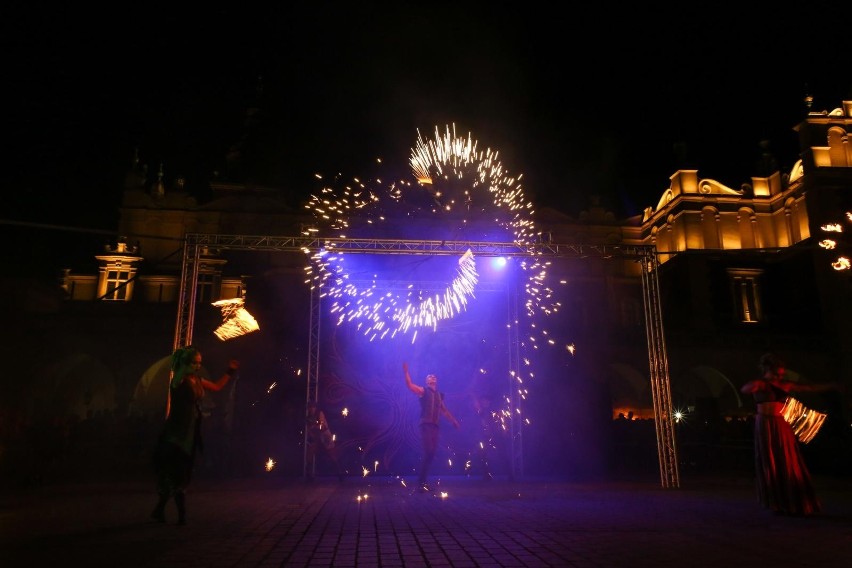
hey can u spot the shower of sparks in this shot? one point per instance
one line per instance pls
(270, 464)
(457, 187)
(364, 471)
(453, 179)
(378, 313)
(236, 320)
(841, 262)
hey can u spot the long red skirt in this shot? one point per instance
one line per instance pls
(784, 483)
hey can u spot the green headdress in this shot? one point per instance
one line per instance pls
(182, 364)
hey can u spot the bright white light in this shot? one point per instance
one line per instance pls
(499, 262)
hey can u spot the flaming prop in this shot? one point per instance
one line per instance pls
(805, 422)
(236, 320)
(831, 243)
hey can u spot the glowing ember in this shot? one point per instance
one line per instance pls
(237, 320)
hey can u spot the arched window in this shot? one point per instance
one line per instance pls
(745, 288)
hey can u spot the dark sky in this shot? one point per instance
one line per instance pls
(580, 100)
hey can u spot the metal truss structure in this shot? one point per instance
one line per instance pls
(194, 243)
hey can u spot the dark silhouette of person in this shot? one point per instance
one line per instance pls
(180, 439)
(432, 407)
(319, 438)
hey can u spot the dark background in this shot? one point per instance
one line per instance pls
(581, 100)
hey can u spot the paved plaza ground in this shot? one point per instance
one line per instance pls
(380, 521)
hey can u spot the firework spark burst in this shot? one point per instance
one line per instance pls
(458, 193)
(456, 186)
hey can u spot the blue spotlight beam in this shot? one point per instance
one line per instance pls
(647, 254)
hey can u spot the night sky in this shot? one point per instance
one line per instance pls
(580, 101)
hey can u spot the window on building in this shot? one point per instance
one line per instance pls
(745, 285)
(207, 289)
(116, 285)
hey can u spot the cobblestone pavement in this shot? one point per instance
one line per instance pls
(381, 522)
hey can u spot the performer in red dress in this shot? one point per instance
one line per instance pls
(784, 483)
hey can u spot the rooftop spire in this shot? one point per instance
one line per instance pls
(159, 188)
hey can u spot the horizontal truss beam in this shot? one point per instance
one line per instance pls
(407, 246)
